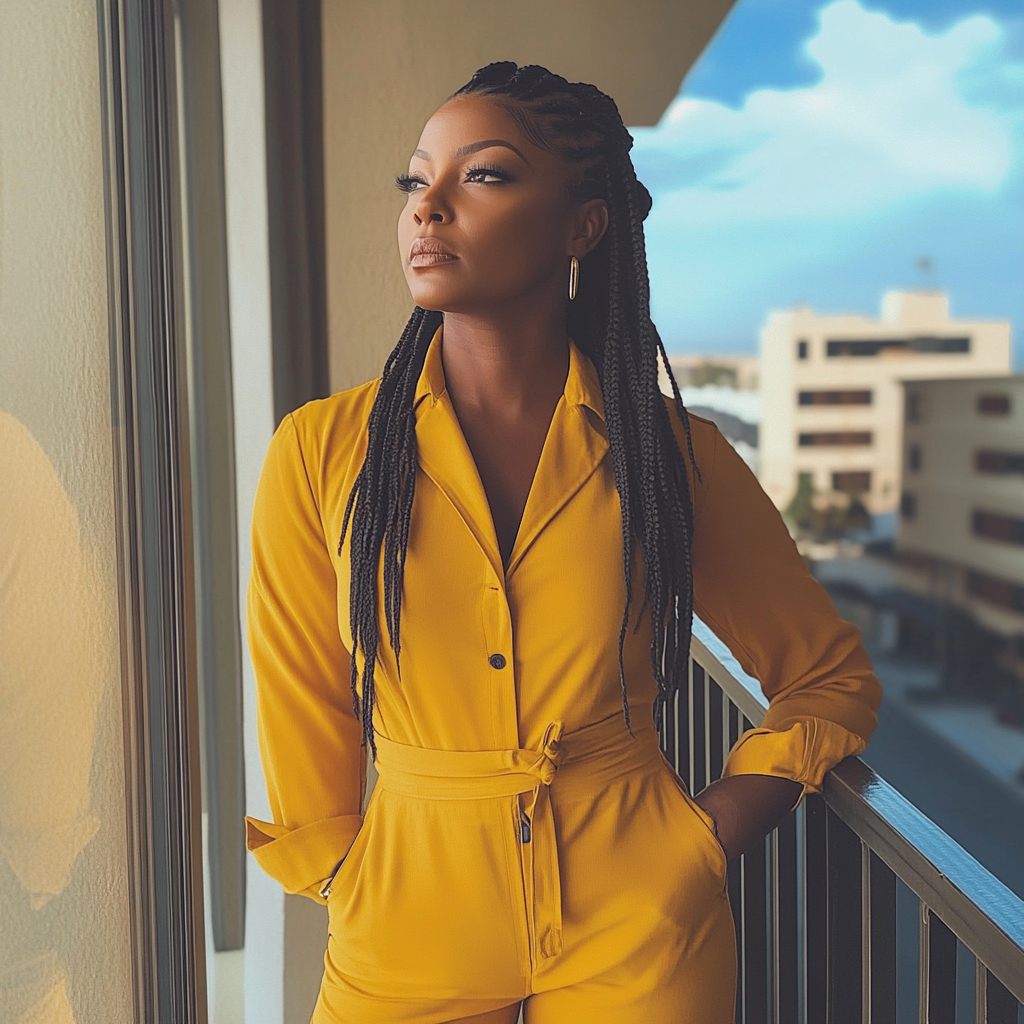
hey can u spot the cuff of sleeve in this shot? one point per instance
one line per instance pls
(301, 858)
(804, 752)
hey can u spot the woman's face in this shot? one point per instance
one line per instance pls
(488, 217)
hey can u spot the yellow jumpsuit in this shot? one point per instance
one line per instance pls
(519, 844)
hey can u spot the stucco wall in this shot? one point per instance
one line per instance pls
(388, 65)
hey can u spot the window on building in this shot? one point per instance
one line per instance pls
(876, 346)
(852, 481)
(994, 405)
(908, 505)
(915, 406)
(996, 526)
(999, 592)
(999, 462)
(914, 458)
(801, 349)
(835, 439)
(835, 397)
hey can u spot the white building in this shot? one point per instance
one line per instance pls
(961, 532)
(832, 397)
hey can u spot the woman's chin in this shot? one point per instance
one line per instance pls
(438, 299)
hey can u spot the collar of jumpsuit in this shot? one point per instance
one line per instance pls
(574, 448)
(565, 462)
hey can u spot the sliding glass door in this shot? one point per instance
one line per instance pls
(100, 856)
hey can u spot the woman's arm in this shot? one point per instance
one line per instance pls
(310, 740)
(756, 593)
(745, 808)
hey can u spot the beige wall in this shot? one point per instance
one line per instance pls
(389, 64)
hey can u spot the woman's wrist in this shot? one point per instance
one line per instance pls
(745, 808)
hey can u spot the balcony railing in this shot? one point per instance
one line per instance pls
(816, 904)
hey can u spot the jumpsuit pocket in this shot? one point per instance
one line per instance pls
(706, 822)
(422, 906)
(349, 863)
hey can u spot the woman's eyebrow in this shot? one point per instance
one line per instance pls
(475, 147)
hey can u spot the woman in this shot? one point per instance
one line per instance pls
(508, 531)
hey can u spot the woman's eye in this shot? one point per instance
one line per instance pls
(487, 176)
(409, 183)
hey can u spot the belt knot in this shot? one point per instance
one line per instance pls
(543, 762)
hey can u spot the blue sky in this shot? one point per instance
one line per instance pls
(819, 149)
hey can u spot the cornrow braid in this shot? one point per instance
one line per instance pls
(611, 323)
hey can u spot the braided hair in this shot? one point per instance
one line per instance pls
(610, 321)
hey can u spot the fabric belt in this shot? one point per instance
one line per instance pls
(584, 761)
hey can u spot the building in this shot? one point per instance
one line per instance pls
(961, 532)
(832, 397)
(739, 372)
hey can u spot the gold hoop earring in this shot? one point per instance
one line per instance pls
(574, 277)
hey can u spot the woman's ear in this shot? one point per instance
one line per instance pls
(589, 226)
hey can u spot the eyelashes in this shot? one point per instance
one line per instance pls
(413, 182)
(408, 182)
(480, 171)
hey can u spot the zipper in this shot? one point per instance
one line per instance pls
(325, 892)
(522, 831)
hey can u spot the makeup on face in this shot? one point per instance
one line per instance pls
(429, 252)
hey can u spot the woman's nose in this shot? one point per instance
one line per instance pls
(430, 208)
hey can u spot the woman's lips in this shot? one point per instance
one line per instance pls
(428, 252)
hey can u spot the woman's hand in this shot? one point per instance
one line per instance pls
(747, 807)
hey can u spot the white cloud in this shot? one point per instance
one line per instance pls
(896, 117)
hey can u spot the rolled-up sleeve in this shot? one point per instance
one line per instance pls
(310, 740)
(756, 593)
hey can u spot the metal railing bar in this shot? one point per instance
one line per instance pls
(670, 730)
(801, 912)
(693, 704)
(981, 994)
(786, 931)
(755, 935)
(924, 968)
(734, 725)
(682, 761)
(709, 690)
(727, 715)
(982, 912)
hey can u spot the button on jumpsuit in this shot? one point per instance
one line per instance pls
(519, 843)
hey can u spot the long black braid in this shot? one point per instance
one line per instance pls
(611, 323)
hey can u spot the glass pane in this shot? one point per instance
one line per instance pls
(64, 908)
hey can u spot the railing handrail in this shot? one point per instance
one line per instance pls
(981, 911)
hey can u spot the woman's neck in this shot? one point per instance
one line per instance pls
(510, 365)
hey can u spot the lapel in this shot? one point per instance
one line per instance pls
(445, 457)
(573, 449)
